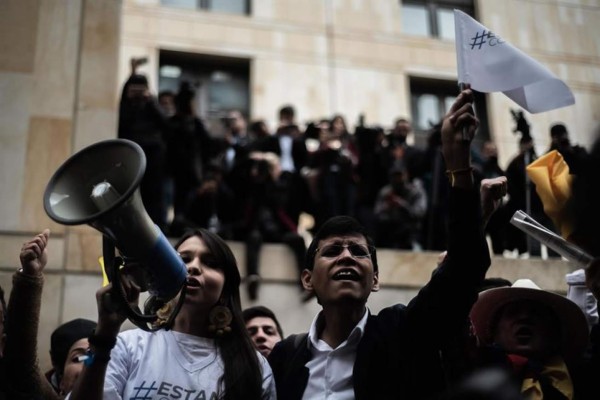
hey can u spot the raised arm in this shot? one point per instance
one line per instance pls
(446, 300)
(90, 384)
(24, 378)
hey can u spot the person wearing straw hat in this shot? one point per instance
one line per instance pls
(535, 333)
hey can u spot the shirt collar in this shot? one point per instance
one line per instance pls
(354, 337)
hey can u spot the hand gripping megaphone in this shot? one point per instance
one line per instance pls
(99, 186)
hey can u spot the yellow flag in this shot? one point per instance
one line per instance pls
(552, 179)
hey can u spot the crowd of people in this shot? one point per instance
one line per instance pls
(250, 185)
(461, 337)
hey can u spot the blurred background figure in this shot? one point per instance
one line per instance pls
(166, 101)
(263, 327)
(288, 144)
(334, 180)
(574, 155)
(400, 150)
(265, 218)
(399, 211)
(142, 121)
(211, 205)
(522, 193)
(189, 147)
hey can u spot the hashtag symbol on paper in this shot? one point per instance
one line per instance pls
(479, 40)
(147, 390)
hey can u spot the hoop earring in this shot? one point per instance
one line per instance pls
(220, 318)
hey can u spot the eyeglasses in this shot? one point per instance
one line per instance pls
(357, 250)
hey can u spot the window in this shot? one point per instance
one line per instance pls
(240, 7)
(222, 83)
(432, 18)
(432, 98)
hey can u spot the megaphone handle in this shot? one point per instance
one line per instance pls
(119, 292)
(134, 315)
(108, 252)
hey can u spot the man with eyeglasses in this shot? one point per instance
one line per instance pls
(348, 352)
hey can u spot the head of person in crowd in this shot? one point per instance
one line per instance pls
(287, 115)
(489, 151)
(526, 144)
(259, 130)
(341, 263)
(213, 309)
(68, 343)
(166, 101)
(398, 176)
(263, 327)
(2, 322)
(527, 321)
(236, 123)
(184, 99)
(136, 90)
(559, 137)
(400, 131)
(338, 127)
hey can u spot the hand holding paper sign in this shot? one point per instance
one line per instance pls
(491, 64)
(568, 250)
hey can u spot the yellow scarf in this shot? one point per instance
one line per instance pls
(558, 375)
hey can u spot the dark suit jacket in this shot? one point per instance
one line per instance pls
(398, 356)
(299, 151)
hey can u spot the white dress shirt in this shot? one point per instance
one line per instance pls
(286, 159)
(330, 370)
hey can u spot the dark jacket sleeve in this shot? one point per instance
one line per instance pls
(23, 376)
(444, 303)
(288, 363)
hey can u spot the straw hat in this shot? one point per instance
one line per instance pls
(572, 320)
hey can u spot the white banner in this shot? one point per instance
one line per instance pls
(491, 64)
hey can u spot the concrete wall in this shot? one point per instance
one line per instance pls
(58, 90)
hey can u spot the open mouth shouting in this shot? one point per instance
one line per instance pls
(192, 284)
(346, 274)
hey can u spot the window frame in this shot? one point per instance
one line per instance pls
(432, 6)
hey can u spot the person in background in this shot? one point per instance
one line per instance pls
(68, 343)
(399, 211)
(142, 121)
(265, 216)
(574, 155)
(68, 347)
(263, 327)
(166, 101)
(534, 334)
(188, 150)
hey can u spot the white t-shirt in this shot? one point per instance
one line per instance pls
(169, 365)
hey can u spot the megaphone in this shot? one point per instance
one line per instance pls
(99, 186)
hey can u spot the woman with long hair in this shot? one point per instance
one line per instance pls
(206, 353)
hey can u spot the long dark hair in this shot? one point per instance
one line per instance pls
(242, 378)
